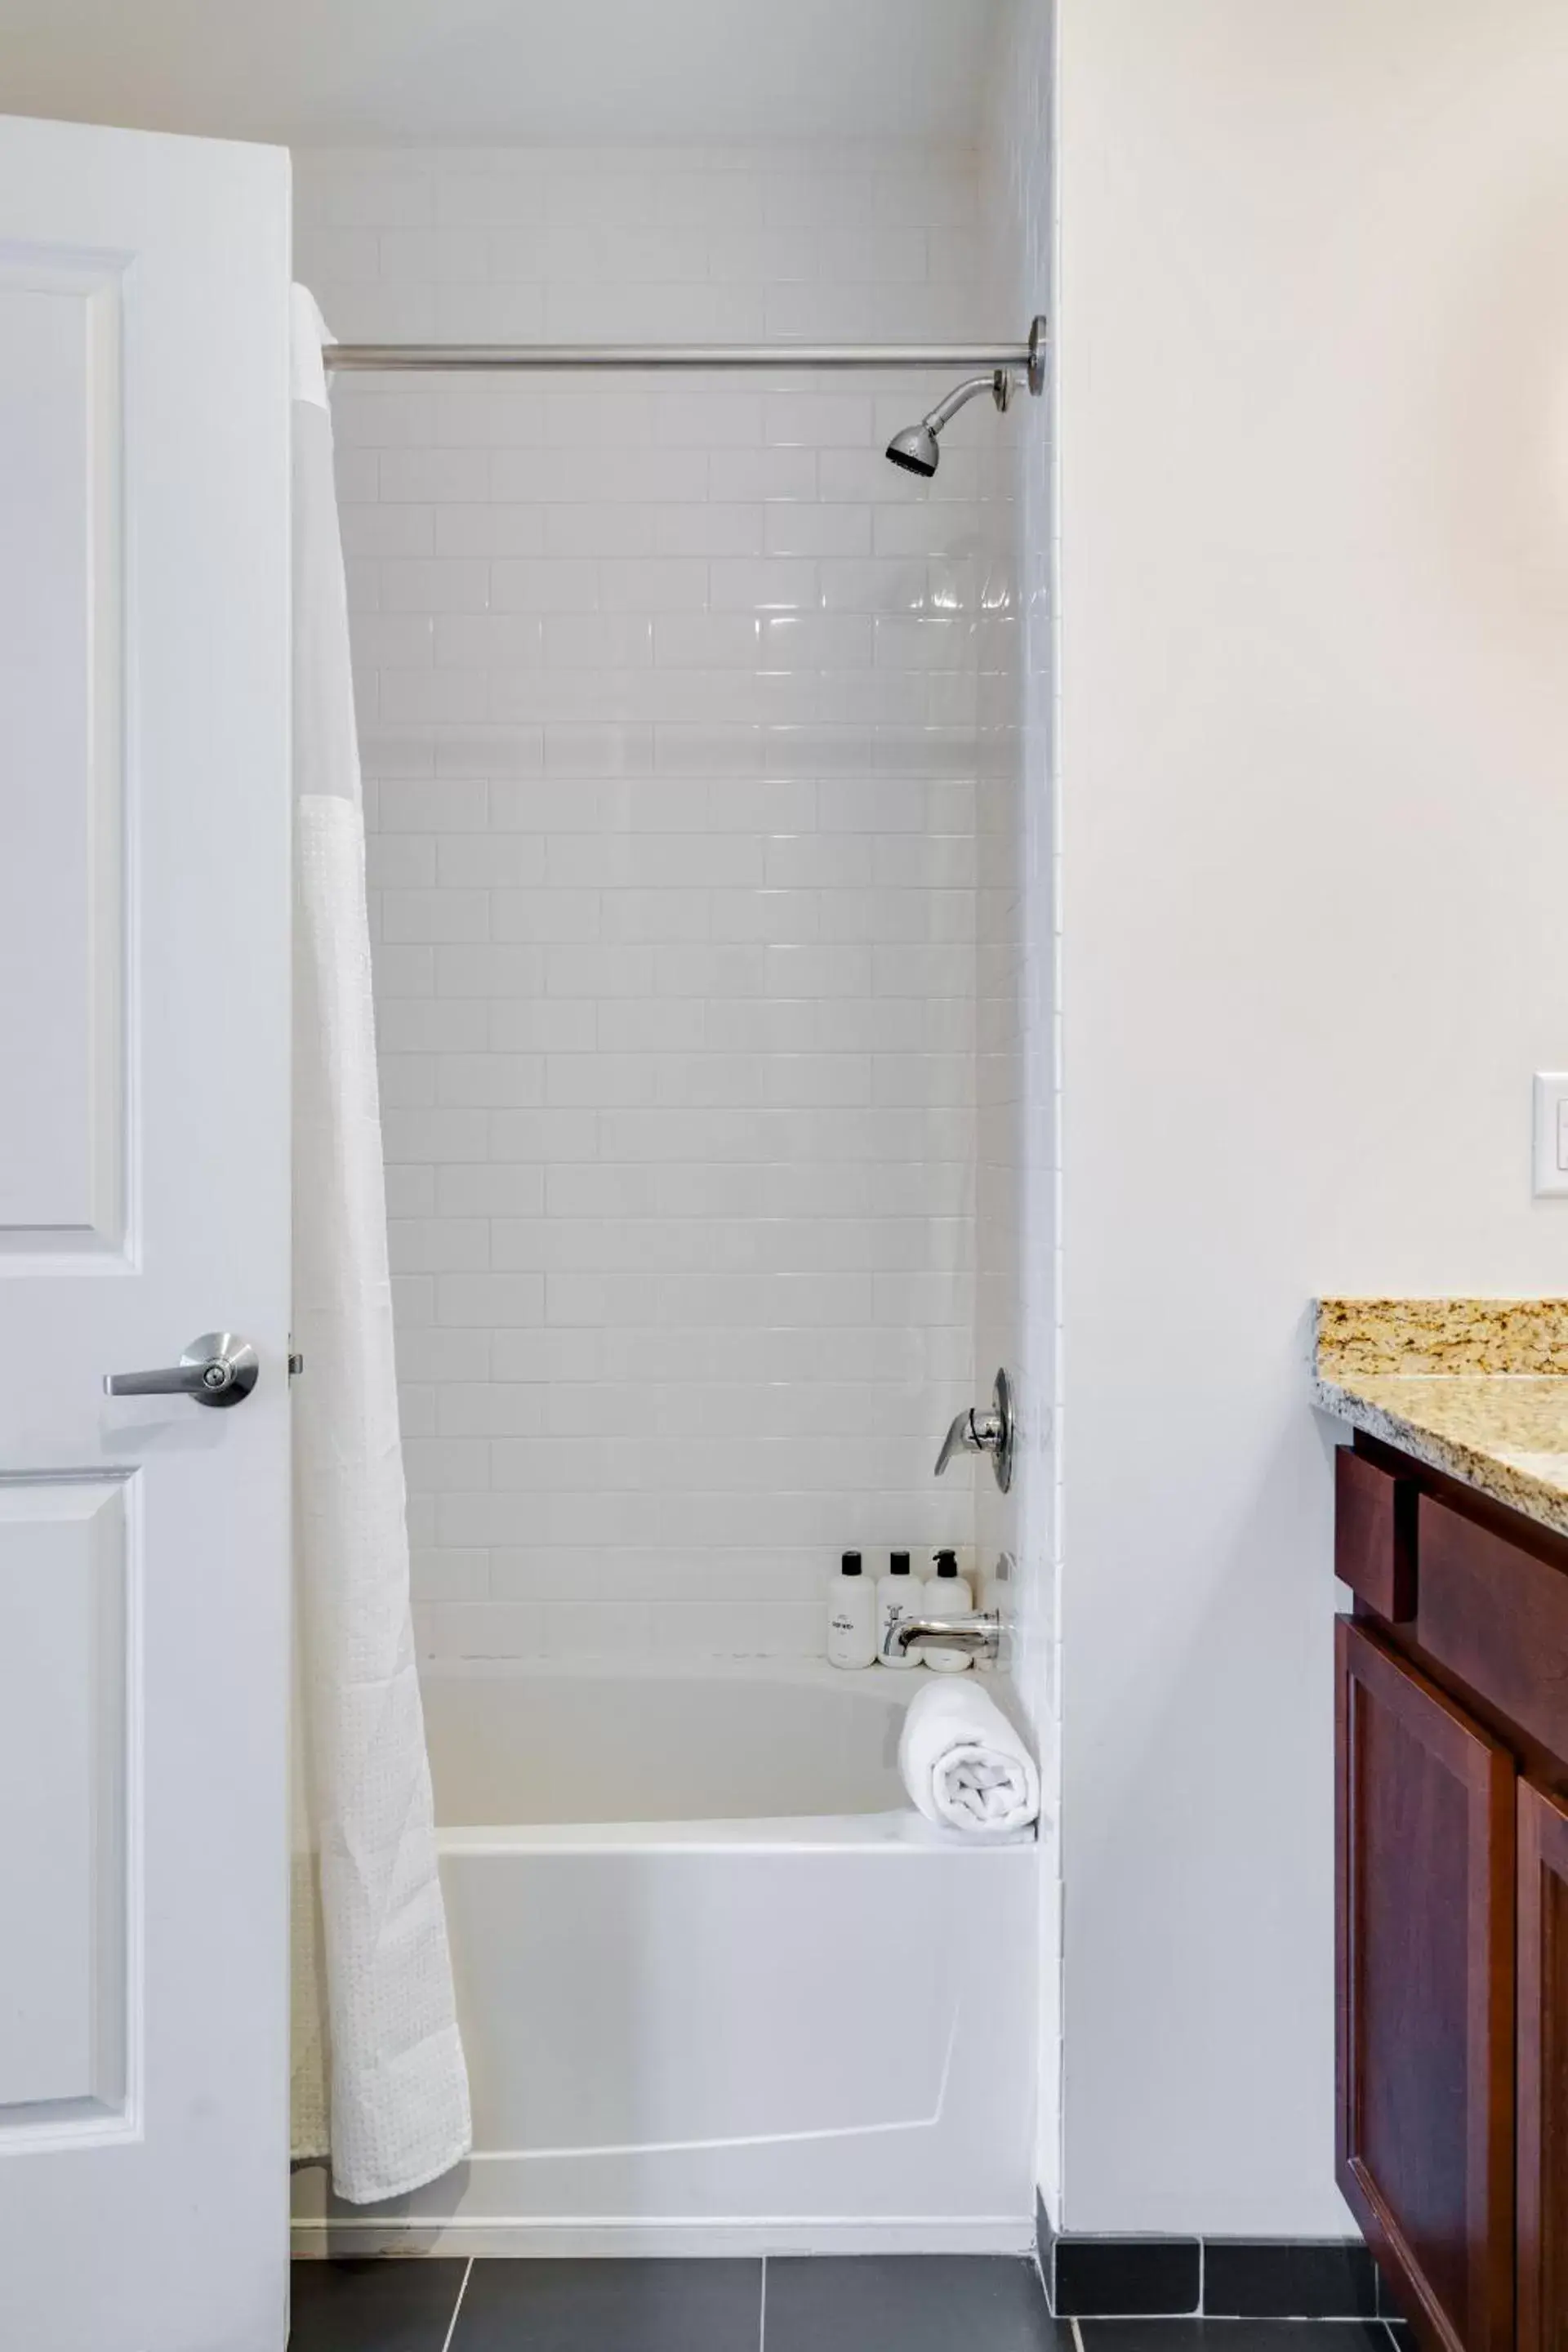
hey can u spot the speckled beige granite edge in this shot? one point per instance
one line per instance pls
(1470, 1386)
(1541, 1497)
(1415, 1335)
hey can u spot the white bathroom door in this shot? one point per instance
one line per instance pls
(145, 745)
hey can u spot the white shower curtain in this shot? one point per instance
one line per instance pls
(379, 2081)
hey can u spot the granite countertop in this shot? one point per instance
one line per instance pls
(1475, 1387)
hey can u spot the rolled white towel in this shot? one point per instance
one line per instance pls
(964, 1764)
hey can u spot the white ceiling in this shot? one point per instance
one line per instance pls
(490, 73)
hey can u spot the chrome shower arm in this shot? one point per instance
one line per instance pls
(960, 397)
(917, 449)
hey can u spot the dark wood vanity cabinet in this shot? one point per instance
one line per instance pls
(1452, 1903)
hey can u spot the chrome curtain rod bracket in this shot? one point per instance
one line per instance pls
(1026, 359)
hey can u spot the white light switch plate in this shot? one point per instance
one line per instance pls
(1551, 1131)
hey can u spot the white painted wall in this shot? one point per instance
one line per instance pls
(1314, 765)
(668, 699)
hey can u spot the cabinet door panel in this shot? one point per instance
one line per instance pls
(1426, 1950)
(1542, 2072)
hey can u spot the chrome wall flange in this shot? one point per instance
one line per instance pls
(1001, 1418)
(1037, 336)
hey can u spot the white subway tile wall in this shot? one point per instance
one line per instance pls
(669, 705)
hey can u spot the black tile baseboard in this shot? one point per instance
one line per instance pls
(1126, 2278)
(1045, 2241)
(1234, 2336)
(1280, 2278)
(1096, 2277)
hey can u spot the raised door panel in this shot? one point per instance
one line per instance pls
(62, 623)
(63, 1816)
(1426, 1950)
(1542, 2072)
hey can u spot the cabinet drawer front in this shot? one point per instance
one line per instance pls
(1375, 1535)
(1497, 1618)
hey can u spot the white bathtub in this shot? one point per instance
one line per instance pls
(720, 1987)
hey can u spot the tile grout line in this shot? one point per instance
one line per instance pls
(762, 2310)
(462, 2291)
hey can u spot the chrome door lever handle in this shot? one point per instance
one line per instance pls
(219, 1369)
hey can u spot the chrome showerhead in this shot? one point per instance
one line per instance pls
(916, 449)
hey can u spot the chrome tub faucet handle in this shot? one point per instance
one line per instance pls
(960, 1433)
(989, 1433)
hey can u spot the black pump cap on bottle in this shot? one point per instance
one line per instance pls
(898, 1563)
(947, 1563)
(850, 1564)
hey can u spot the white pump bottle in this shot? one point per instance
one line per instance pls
(946, 1594)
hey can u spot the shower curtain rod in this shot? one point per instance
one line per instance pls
(1029, 358)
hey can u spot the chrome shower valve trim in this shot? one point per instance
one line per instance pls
(984, 1432)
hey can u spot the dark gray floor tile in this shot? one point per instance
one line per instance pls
(1233, 2335)
(373, 2307)
(611, 2306)
(913, 2303)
